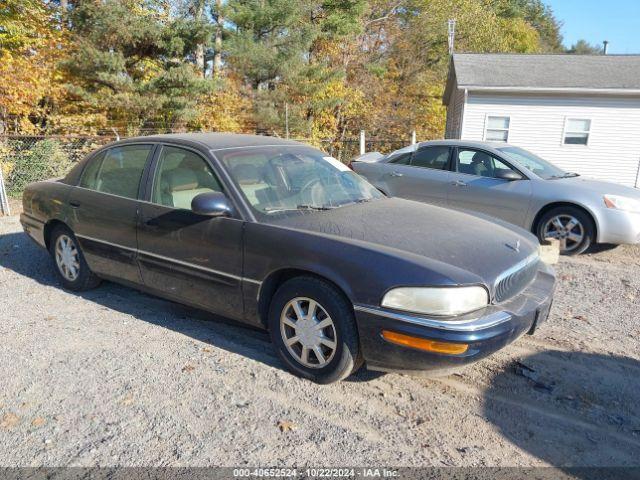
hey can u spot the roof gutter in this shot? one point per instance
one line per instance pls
(560, 90)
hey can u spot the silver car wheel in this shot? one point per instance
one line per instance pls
(567, 229)
(67, 258)
(308, 332)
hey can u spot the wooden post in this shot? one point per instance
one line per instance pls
(4, 201)
(413, 138)
(363, 147)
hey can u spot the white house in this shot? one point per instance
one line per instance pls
(581, 112)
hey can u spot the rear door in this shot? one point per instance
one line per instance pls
(104, 210)
(192, 258)
(474, 186)
(423, 176)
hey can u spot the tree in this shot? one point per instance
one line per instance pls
(132, 61)
(582, 47)
(30, 45)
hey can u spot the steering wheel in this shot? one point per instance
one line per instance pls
(313, 193)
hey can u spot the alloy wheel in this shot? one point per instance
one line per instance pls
(308, 332)
(567, 229)
(67, 258)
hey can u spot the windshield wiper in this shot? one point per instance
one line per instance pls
(300, 208)
(565, 175)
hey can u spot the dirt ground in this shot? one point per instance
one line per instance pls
(114, 377)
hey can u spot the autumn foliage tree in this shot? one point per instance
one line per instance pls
(315, 69)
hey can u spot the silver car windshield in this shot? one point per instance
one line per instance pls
(534, 163)
(289, 178)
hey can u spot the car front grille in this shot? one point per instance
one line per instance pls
(516, 279)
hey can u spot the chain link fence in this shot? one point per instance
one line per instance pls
(25, 159)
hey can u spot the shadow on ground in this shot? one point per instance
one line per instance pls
(20, 254)
(570, 409)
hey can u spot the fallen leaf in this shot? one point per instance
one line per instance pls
(207, 350)
(49, 318)
(188, 368)
(38, 422)
(9, 421)
(580, 317)
(286, 425)
(128, 400)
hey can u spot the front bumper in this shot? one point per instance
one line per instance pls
(496, 327)
(619, 227)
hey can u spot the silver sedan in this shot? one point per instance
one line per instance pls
(512, 184)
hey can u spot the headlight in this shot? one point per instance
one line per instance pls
(437, 301)
(622, 203)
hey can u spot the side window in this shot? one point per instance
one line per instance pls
(436, 157)
(117, 171)
(482, 164)
(89, 177)
(402, 159)
(181, 175)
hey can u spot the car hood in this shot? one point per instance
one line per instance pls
(479, 246)
(600, 187)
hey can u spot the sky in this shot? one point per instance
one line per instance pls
(617, 21)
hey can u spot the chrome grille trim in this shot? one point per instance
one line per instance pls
(515, 279)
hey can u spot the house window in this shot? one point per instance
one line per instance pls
(497, 129)
(576, 131)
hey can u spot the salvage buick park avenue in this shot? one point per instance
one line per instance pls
(280, 236)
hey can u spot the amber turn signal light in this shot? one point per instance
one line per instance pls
(424, 344)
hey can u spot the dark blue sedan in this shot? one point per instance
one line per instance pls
(279, 235)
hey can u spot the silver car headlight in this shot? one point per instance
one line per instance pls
(437, 301)
(619, 202)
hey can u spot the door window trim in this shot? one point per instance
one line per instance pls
(502, 159)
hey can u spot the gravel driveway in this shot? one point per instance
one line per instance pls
(116, 377)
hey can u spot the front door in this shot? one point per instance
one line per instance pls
(475, 186)
(192, 258)
(424, 177)
(104, 211)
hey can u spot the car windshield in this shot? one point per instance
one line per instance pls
(285, 178)
(534, 163)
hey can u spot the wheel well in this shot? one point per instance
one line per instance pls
(48, 229)
(271, 284)
(551, 206)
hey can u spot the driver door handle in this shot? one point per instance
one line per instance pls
(396, 174)
(459, 183)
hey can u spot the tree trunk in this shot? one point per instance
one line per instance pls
(199, 15)
(217, 57)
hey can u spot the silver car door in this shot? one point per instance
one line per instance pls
(426, 177)
(476, 185)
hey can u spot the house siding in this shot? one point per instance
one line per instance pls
(537, 124)
(455, 114)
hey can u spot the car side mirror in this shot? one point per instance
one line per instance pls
(213, 204)
(508, 175)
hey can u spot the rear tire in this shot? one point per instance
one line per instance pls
(573, 227)
(313, 329)
(71, 267)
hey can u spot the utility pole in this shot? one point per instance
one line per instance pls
(452, 34)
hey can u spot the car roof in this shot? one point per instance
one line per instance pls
(217, 141)
(465, 143)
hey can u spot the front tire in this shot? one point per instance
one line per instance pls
(313, 329)
(573, 227)
(71, 267)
